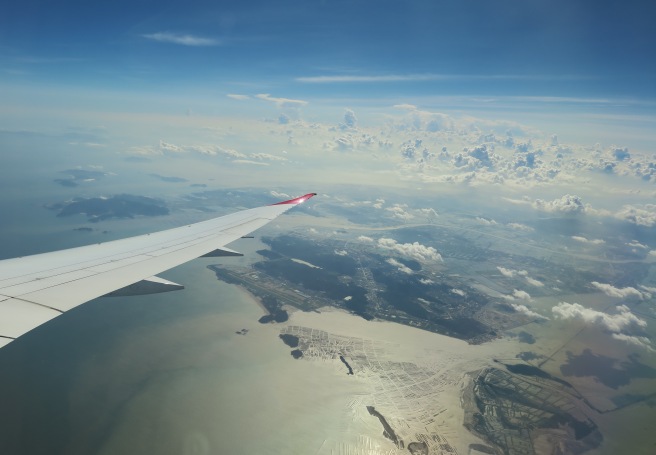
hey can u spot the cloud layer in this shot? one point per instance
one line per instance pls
(182, 39)
(622, 325)
(413, 250)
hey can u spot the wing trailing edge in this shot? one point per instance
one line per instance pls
(37, 288)
(152, 285)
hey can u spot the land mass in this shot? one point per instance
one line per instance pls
(309, 275)
(119, 206)
(525, 410)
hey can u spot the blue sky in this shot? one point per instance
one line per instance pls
(336, 48)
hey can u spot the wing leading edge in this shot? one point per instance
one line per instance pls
(35, 289)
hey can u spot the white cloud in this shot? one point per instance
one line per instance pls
(485, 221)
(407, 107)
(401, 267)
(281, 102)
(267, 156)
(636, 244)
(429, 212)
(459, 292)
(426, 281)
(509, 273)
(280, 195)
(527, 311)
(520, 227)
(648, 289)
(365, 239)
(534, 282)
(518, 295)
(590, 241)
(642, 216)
(185, 40)
(230, 153)
(622, 321)
(620, 324)
(344, 143)
(567, 204)
(143, 150)
(341, 252)
(235, 96)
(350, 120)
(639, 341)
(350, 78)
(398, 211)
(414, 250)
(368, 78)
(258, 163)
(621, 293)
(166, 147)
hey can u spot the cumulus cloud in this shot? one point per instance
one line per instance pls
(636, 244)
(341, 252)
(279, 195)
(429, 212)
(509, 273)
(518, 295)
(621, 154)
(459, 292)
(213, 150)
(644, 215)
(533, 282)
(166, 147)
(623, 320)
(527, 311)
(589, 241)
(642, 342)
(182, 39)
(520, 227)
(426, 281)
(401, 267)
(345, 143)
(350, 120)
(567, 204)
(649, 289)
(267, 156)
(398, 211)
(621, 293)
(485, 221)
(414, 250)
(365, 239)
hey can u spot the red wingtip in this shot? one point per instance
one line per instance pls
(297, 200)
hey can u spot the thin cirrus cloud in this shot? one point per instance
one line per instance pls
(182, 39)
(349, 78)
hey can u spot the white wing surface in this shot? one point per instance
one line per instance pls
(35, 289)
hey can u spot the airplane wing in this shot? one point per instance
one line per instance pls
(35, 289)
